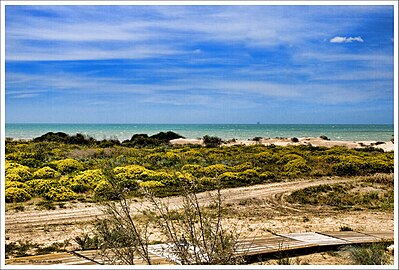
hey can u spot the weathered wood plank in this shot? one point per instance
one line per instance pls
(381, 235)
(252, 246)
(315, 238)
(353, 237)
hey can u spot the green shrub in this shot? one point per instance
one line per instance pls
(321, 194)
(14, 194)
(13, 177)
(210, 141)
(86, 180)
(373, 254)
(86, 242)
(24, 158)
(266, 157)
(105, 190)
(68, 165)
(45, 173)
(22, 171)
(297, 166)
(243, 166)
(349, 166)
(345, 229)
(60, 193)
(184, 177)
(287, 158)
(163, 177)
(207, 183)
(249, 176)
(164, 159)
(229, 178)
(215, 170)
(130, 172)
(41, 186)
(266, 176)
(151, 184)
(16, 184)
(193, 169)
(377, 165)
(193, 156)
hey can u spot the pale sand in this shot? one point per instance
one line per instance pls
(386, 146)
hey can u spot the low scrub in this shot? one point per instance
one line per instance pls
(344, 196)
(374, 254)
(78, 167)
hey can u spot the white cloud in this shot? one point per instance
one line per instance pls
(346, 39)
(96, 33)
(25, 96)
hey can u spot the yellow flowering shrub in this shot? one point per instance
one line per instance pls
(297, 166)
(215, 170)
(104, 190)
(22, 171)
(60, 193)
(86, 180)
(184, 176)
(68, 165)
(166, 159)
(16, 184)
(130, 171)
(41, 186)
(13, 177)
(45, 173)
(151, 184)
(15, 194)
(194, 169)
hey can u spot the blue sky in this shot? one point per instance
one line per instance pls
(199, 64)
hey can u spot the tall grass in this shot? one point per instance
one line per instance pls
(373, 254)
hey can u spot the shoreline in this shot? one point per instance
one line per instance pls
(121, 132)
(387, 146)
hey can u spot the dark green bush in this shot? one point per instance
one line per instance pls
(349, 166)
(210, 141)
(297, 166)
(62, 137)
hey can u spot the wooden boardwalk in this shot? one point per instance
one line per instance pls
(248, 247)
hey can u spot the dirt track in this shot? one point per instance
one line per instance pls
(47, 226)
(271, 193)
(260, 208)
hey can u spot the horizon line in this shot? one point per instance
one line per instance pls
(258, 123)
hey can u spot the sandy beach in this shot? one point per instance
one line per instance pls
(386, 146)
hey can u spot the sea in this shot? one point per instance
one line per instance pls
(340, 132)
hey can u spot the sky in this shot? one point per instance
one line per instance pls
(199, 64)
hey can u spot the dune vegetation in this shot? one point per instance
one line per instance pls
(60, 167)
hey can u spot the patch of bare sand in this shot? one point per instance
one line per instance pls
(255, 211)
(386, 146)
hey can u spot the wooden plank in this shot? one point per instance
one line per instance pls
(381, 235)
(272, 244)
(253, 246)
(352, 237)
(315, 238)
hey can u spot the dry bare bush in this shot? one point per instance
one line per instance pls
(194, 234)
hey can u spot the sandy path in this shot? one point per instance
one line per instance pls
(83, 212)
(48, 226)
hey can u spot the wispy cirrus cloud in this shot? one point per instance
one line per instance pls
(156, 62)
(89, 33)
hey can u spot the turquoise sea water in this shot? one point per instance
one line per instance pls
(225, 131)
